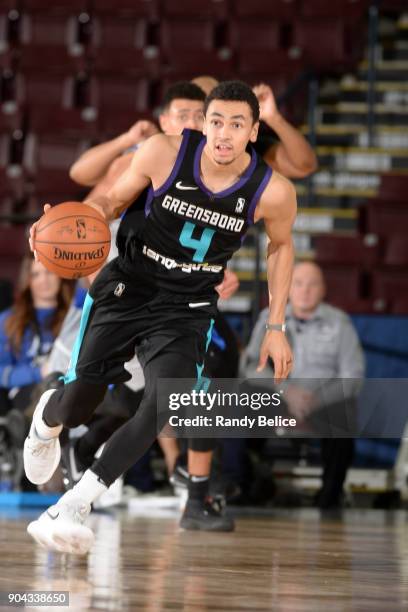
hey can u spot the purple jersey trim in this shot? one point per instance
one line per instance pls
(257, 195)
(149, 200)
(176, 167)
(220, 194)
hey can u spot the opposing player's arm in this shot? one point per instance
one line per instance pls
(292, 156)
(116, 169)
(278, 210)
(143, 171)
(93, 165)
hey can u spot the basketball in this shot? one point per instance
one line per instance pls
(72, 240)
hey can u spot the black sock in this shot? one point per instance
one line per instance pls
(198, 487)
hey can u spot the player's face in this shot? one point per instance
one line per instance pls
(307, 288)
(44, 285)
(182, 113)
(229, 127)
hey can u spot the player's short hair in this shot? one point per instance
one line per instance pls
(183, 89)
(234, 91)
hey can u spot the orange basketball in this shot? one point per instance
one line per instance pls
(72, 240)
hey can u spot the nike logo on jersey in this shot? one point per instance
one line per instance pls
(199, 304)
(179, 185)
(53, 516)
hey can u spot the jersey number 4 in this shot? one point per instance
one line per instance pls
(200, 246)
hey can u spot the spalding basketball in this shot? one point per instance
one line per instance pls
(72, 240)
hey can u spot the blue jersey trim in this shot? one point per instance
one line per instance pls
(70, 376)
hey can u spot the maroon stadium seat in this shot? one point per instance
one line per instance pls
(7, 205)
(253, 35)
(130, 8)
(322, 42)
(49, 43)
(52, 107)
(385, 217)
(6, 55)
(277, 65)
(123, 94)
(396, 252)
(189, 46)
(121, 102)
(399, 305)
(390, 284)
(339, 9)
(122, 46)
(394, 187)
(347, 249)
(67, 7)
(282, 10)
(342, 281)
(11, 100)
(11, 176)
(199, 9)
(187, 35)
(7, 5)
(13, 247)
(47, 160)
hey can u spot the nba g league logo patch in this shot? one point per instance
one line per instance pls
(240, 205)
(120, 287)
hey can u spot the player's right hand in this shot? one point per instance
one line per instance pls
(33, 228)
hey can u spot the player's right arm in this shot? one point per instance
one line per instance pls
(93, 165)
(151, 164)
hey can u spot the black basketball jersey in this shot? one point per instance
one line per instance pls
(182, 233)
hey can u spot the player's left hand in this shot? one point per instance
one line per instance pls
(228, 286)
(267, 103)
(142, 130)
(276, 346)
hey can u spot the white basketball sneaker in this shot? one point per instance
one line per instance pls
(61, 526)
(41, 457)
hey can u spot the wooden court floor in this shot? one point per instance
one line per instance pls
(287, 561)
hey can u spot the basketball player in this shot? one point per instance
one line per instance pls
(159, 294)
(182, 108)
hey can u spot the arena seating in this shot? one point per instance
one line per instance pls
(45, 163)
(122, 46)
(13, 246)
(87, 69)
(50, 43)
(353, 250)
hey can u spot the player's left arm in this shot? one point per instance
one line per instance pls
(277, 208)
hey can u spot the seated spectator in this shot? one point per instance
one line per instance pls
(28, 329)
(326, 351)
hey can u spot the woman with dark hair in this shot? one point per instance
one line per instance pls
(28, 329)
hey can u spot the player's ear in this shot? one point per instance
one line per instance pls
(254, 132)
(204, 126)
(163, 122)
